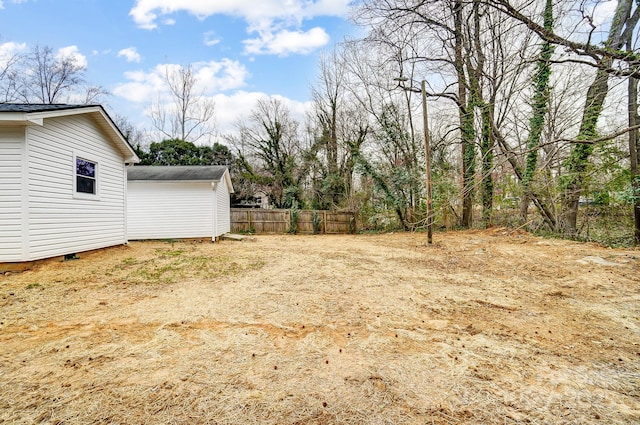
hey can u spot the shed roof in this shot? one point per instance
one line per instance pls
(177, 172)
(36, 113)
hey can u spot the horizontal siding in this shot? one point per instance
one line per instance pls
(223, 206)
(11, 148)
(163, 210)
(59, 223)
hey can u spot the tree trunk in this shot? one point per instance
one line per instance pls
(486, 149)
(467, 132)
(576, 165)
(634, 152)
(540, 107)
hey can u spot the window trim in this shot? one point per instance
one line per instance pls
(83, 195)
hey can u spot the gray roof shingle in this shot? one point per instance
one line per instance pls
(176, 172)
(38, 107)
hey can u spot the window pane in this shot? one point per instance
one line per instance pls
(85, 185)
(85, 168)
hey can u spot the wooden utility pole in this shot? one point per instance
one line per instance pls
(427, 159)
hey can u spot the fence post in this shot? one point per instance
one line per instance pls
(324, 222)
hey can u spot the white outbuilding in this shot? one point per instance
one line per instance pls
(62, 181)
(176, 202)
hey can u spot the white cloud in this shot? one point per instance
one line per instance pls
(11, 48)
(138, 90)
(210, 38)
(220, 76)
(603, 12)
(230, 109)
(277, 22)
(212, 77)
(9, 52)
(72, 52)
(287, 42)
(130, 54)
(234, 107)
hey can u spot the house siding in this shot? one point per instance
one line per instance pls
(223, 208)
(11, 199)
(169, 210)
(59, 222)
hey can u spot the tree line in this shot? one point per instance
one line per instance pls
(532, 103)
(532, 108)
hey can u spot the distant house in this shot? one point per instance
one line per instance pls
(62, 181)
(174, 202)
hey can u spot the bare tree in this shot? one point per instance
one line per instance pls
(10, 76)
(48, 77)
(390, 152)
(94, 94)
(268, 151)
(338, 130)
(327, 98)
(136, 137)
(188, 114)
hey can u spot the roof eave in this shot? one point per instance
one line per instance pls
(227, 177)
(20, 118)
(103, 120)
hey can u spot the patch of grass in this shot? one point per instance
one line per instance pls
(172, 266)
(163, 274)
(130, 261)
(170, 252)
(34, 286)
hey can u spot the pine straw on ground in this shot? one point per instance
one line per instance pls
(485, 327)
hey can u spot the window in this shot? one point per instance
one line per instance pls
(85, 176)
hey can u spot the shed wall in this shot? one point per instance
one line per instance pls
(170, 210)
(223, 208)
(59, 222)
(11, 172)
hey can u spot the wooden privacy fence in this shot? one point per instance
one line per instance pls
(249, 220)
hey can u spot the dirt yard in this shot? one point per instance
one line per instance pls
(489, 327)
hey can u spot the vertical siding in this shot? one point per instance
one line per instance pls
(59, 223)
(223, 208)
(169, 210)
(11, 161)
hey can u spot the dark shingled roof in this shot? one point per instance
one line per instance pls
(104, 121)
(38, 107)
(176, 172)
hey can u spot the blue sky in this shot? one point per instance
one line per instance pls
(240, 49)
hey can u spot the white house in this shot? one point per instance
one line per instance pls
(62, 181)
(173, 202)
